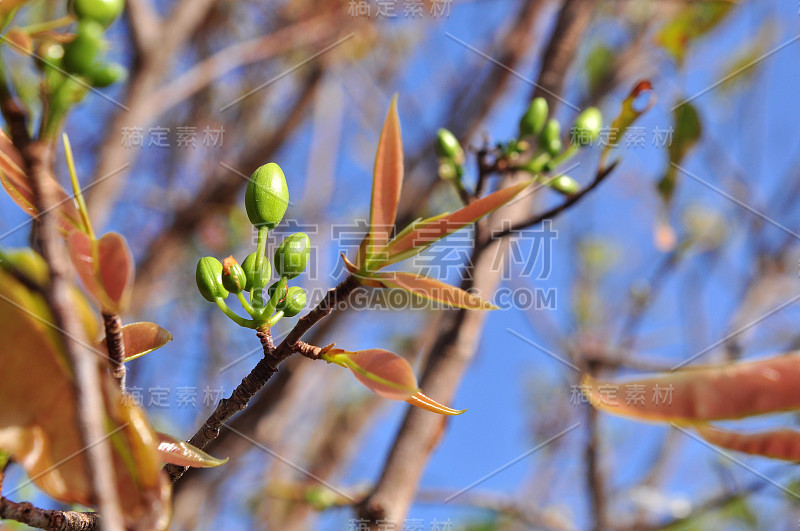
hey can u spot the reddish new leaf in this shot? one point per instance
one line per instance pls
(380, 371)
(632, 109)
(142, 338)
(714, 392)
(429, 404)
(387, 182)
(432, 289)
(778, 444)
(177, 452)
(424, 234)
(19, 187)
(105, 267)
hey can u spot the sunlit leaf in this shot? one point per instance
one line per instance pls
(177, 452)
(19, 187)
(713, 392)
(380, 371)
(694, 20)
(142, 338)
(778, 444)
(425, 402)
(387, 182)
(39, 418)
(432, 289)
(105, 267)
(638, 101)
(426, 232)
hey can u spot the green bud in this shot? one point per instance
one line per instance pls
(101, 11)
(209, 279)
(107, 74)
(292, 255)
(294, 302)
(233, 277)
(587, 126)
(550, 138)
(564, 184)
(252, 279)
(81, 52)
(447, 146)
(533, 120)
(267, 196)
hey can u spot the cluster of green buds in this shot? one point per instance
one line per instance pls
(266, 201)
(451, 159)
(537, 129)
(68, 69)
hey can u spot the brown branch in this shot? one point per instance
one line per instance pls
(37, 157)
(145, 25)
(48, 519)
(116, 347)
(265, 368)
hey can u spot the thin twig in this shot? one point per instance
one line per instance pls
(48, 519)
(116, 347)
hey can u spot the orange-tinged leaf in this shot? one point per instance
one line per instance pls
(426, 233)
(142, 338)
(778, 444)
(387, 182)
(19, 187)
(39, 417)
(177, 452)
(425, 402)
(435, 290)
(105, 267)
(382, 372)
(632, 109)
(713, 392)
(20, 41)
(363, 279)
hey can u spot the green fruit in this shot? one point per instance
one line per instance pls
(233, 277)
(107, 74)
(292, 255)
(550, 138)
(587, 126)
(252, 279)
(80, 54)
(565, 184)
(447, 146)
(294, 302)
(267, 196)
(209, 279)
(101, 11)
(533, 120)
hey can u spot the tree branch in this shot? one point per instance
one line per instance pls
(48, 519)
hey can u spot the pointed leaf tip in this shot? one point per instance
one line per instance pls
(425, 402)
(142, 338)
(177, 452)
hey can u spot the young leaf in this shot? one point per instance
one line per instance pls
(380, 371)
(429, 231)
(435, 290)
(714, 392)
(387, 182)
(778, 444)
(105, 267)
(632, 109)
(142, 338)
(20, 189)
(177, 452)
(691, 22)
(427, 403)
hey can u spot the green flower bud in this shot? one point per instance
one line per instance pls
(267, 196)
(107, 74)
(294, 302)
(447, 146)
(101, 11)
(233, 277)
(81, 52)
(252, 279)
(209, 279)
(533, 120)
(564, 184)
(292, 255)
(587, 126)
(550, 138)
